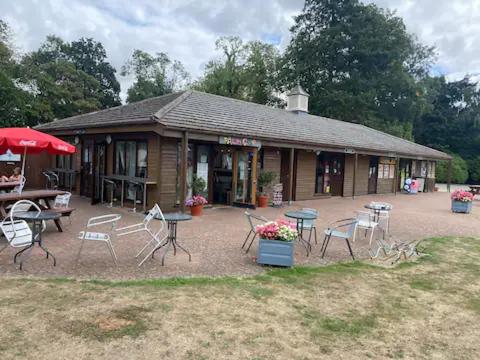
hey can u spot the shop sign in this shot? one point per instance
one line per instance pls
(230, 140)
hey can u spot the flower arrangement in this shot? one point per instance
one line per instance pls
(462, 195)
(277, 230)
(196, 200)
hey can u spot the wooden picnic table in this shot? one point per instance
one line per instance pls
(474, 189)
(8, 185)
(33, 195)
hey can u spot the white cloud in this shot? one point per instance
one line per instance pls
(187, 29)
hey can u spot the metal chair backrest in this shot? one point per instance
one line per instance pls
(154, 212)
(62, 201)
(309, 223)
(365, 217)
(22, 206)
(251, 217)
(351, 227)
(104, 220)
(17, 232)
(19, 188)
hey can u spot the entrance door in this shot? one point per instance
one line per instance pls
(373, 175)
(86, 172)
(245, 177)
(336, 174)
(100, 165)
(285, 173)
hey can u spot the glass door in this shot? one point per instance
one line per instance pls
(99, 170)
(244, 177)
(86, 172)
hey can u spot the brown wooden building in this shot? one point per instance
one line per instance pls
(161, 143)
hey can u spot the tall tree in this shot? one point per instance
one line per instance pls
(245, 71)
(358, 63)
(155, 75)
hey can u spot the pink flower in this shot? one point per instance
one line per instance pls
(462, 195)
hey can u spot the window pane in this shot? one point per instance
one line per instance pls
(120, 158)
(130, 157)
(142, 159)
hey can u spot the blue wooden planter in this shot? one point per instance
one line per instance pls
(461, 206)
(275, 252)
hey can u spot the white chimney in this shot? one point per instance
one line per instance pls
(297, 100)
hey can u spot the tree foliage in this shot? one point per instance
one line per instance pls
(154, 75)
(459, 171)
(358, 63)
(244, 71)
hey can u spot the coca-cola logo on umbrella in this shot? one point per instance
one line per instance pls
(28, 143)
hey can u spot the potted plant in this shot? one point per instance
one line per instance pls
(276, 243)
(265, 178)
(462, 201)
(196, 203)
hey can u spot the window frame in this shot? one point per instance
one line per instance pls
(125, 141)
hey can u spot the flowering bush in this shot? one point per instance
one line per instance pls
(196, 200)
(282, 230)
(462, 195)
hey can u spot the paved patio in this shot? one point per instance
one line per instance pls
(215, 239)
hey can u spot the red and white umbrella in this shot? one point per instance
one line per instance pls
(28, 141)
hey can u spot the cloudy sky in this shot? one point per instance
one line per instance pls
(187, 29)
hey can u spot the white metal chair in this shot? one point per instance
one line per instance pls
(157, 237)
(251, 219)
(18, 235)
(61, 205)
(25, 205)
(365, 221)
(336, 230)
(19, 188)
(384, 217)
(310, 224)
(111, 221)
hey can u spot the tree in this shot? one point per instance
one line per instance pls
(358, 63)
(245, 71)
(155, 75)
(459, 171)
(90, 57)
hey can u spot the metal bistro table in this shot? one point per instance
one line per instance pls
(377, 208)
(36, 219)
(172, 219)
(300, 216)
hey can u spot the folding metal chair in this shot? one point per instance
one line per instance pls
(334, 230)
(18, 235)
(157, 238)
(105, 237)
(251, 218)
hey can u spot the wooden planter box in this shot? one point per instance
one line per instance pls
(462, 206)
(275, 252)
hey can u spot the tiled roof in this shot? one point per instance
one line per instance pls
(135, 113)
(202, 112)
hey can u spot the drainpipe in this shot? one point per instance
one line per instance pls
(290, 183)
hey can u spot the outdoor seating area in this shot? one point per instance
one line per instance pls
(212, 243)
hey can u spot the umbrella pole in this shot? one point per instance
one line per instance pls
(23, 161)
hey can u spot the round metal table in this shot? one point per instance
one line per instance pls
(301, 216)
(172, 220)
(377, 208)
(36, 218)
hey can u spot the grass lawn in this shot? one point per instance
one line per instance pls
(427, 309)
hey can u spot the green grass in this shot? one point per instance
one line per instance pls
(336, 311)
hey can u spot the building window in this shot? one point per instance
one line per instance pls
(131, 158)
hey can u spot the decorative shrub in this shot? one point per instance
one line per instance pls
(462, 195)
(265, 178)
(282, 230)
(196, 200)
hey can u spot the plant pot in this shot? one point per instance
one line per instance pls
(435, 188)
(262, 201)
(196, 210)
(275, 252)
(461, 206)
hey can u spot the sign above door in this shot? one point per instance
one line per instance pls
(230, 140)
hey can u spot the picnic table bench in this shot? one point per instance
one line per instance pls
(36, 196)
